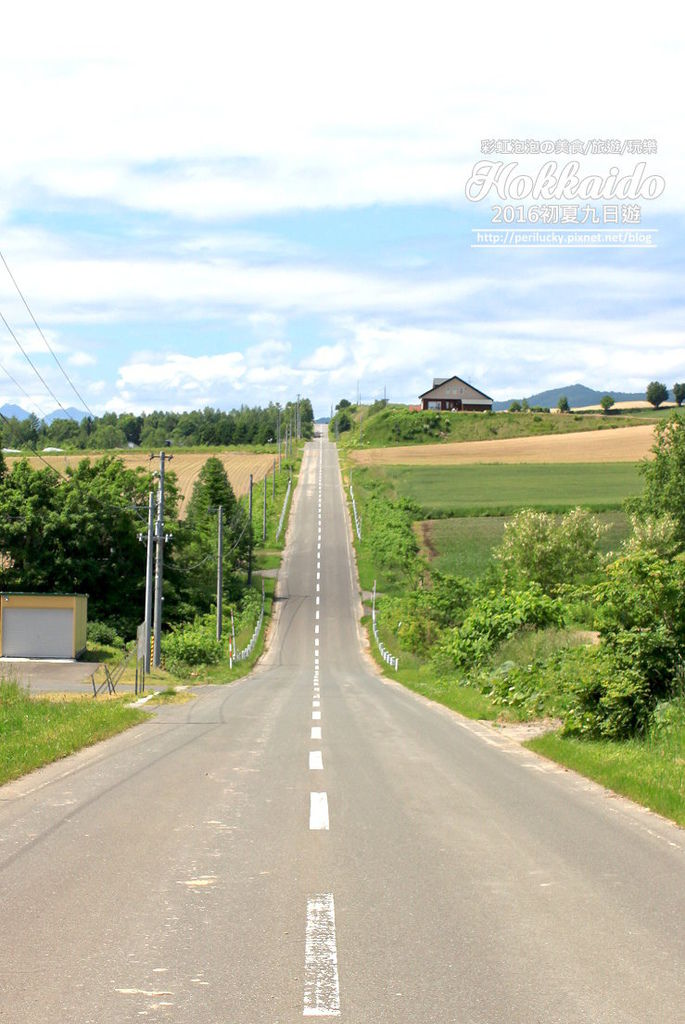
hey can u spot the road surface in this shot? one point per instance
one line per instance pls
(314, 841)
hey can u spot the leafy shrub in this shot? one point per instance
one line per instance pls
(547, 549)
(190, 644)
(419, 616)
(607, 702)
(388, 532)
(492, 619)
(102, 633)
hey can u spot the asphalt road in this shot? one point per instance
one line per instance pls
(313, 841)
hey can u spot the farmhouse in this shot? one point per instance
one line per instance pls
(452, 394)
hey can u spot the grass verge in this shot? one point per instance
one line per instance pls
(36, 732)
(647, 771)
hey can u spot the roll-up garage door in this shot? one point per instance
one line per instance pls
(38, 633)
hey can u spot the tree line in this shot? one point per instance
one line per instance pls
(212, 427)
(85, 532)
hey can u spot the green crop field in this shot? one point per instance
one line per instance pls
(501, 489)
(463, 546)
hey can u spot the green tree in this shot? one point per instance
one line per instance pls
(78, 534)
(196, 556)
(515, 406)
(549, 550)
(664, 476)
(606, 403)
(679, 393)
(562, 404)
(656, 393)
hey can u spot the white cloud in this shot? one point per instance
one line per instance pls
(299, 107)
(81, 359)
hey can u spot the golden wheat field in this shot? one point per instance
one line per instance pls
(628, 445)
(186, 466)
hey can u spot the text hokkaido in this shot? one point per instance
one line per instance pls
(552, 182)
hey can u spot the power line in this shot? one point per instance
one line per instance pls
(47, 343)
(22, 389)
(37, 453)
(28, 359)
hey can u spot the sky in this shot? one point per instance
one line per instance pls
(226, 204)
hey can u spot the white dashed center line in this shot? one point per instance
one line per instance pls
(315, 761)
(321, 984)
(318, 812)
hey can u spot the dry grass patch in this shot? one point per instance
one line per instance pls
(627, 444)
(186, 466)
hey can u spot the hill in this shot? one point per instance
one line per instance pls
(578, 396)
(393, 426)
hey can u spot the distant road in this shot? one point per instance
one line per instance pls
(314, 841)
(622, 444)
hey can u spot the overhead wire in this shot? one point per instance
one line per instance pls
(28, 359)
(45, 340)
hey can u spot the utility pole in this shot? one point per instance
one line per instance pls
(297, 419)
(159, 563)
(266, 477)
(249, 539)
(278, 434)
(148, 577)
(273, 487)
(220, 573)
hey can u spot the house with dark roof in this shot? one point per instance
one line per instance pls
(452, 394)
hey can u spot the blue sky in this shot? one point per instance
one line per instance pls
(262, 201)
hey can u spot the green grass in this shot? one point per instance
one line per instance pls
(422, 678)
(651, 772)
(501, 489)
(463, 546)
(35, 732)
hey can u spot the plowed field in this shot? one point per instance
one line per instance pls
(629, 444)
(186, 466)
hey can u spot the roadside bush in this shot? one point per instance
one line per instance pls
(190, 644)
(606, 702)
(388, 532)
(102, 633)
(420, 616)
(492, 619)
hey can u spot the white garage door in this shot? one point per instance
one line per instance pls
(38, 633)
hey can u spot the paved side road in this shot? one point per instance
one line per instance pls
(48, 676)
(315, 842)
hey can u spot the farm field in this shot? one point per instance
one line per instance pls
(443, 491)
(186, 466)
(629, 444)
(463, 546)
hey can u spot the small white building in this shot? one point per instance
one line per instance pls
(43, 625)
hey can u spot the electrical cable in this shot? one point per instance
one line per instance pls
(47, 344)
(35, 370)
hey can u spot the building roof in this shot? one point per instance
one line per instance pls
(440, 382)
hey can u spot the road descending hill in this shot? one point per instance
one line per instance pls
(313, 841)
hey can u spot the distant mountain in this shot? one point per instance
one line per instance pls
(18, 413)
(65, 414)
(578, 395)
(14, 410)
